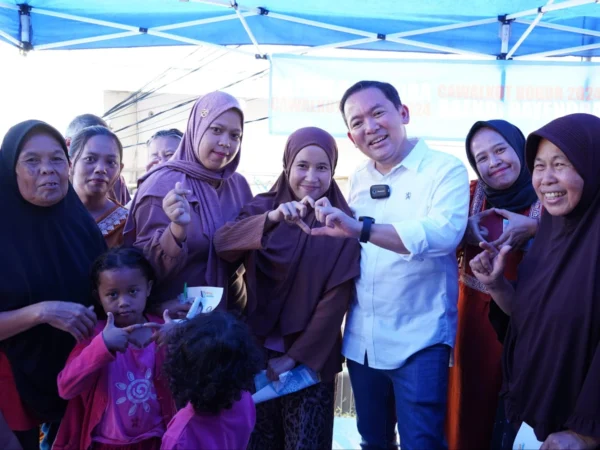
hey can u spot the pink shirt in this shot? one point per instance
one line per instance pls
(228, 430)
(133, 413)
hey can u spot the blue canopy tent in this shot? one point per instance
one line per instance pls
(502, 29)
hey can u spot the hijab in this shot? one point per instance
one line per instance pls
(552, 351)
(186, 168)
(521, 194)
(47, 255)
(287, 279)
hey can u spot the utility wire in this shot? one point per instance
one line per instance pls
(159, 77)
(180, 105)
(134, 98)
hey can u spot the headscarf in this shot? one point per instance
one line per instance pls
(47, 253)
(552, 351)
(521, 194)
(286, 280)
(185, 167)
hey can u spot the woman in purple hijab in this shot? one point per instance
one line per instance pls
(181, 204)
(551, 359)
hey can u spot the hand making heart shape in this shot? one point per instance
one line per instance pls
(293, 213)
(118, 339)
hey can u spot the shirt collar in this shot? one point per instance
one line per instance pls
(411, 161)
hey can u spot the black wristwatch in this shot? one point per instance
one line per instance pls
(365, 233)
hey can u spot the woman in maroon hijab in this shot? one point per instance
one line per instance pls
(551, 359)
(181, 204)
(299, 287)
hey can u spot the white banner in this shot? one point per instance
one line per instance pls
(444, 97)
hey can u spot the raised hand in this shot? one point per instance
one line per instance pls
(337, 222)
(475, 232)
(293, 213)
(115, 338)
(488, 266)
(73, 318)
(177, 207)
(161, 330)
(569, 440)
(519, 230)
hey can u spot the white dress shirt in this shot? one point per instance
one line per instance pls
(405, 303)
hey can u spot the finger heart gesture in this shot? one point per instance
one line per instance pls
(336, 222)
(176, 205)
(293, 213)
(115, 338)
(161, 330)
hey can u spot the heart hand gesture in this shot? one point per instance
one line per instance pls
(337, 222)
(293, 213)
(115, 338)
(177, 207)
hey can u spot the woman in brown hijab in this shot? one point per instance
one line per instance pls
(299, 287)
(551, 358)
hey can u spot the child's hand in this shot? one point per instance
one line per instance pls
(115, 338)
(161, 330)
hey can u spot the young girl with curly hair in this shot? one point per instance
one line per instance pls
(211, 363)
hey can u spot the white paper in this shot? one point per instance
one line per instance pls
(204, 299)
(295, 380)
(526, 439)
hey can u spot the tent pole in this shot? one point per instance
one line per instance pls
(440, 48)
(194, 23)
(528, 30)
(562, 51)
(25, 27)
(322, 25)
(185, 40)
(556, 7)
(504, 36)
(103, 23)
(106, 37)
(8, 37)
(327, 46)
(554, 26)
(259, 52)
(455, 26)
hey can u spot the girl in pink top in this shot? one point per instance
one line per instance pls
(117, 397)
(211, 363)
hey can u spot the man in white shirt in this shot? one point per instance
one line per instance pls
(411, 209)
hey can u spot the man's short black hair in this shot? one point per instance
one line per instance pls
(388, 90)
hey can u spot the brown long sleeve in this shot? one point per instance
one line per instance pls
(319, 345)
(234, 239)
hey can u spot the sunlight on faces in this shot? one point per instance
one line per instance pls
(162, 148)
(556, 182)
(310, 173)
(497, 162)
(221, 141)
(42, 170)
(124, 292)
(376, 126)
(98, 167)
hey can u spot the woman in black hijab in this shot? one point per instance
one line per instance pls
(551, 358)
(48, 242)
(502, 192)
